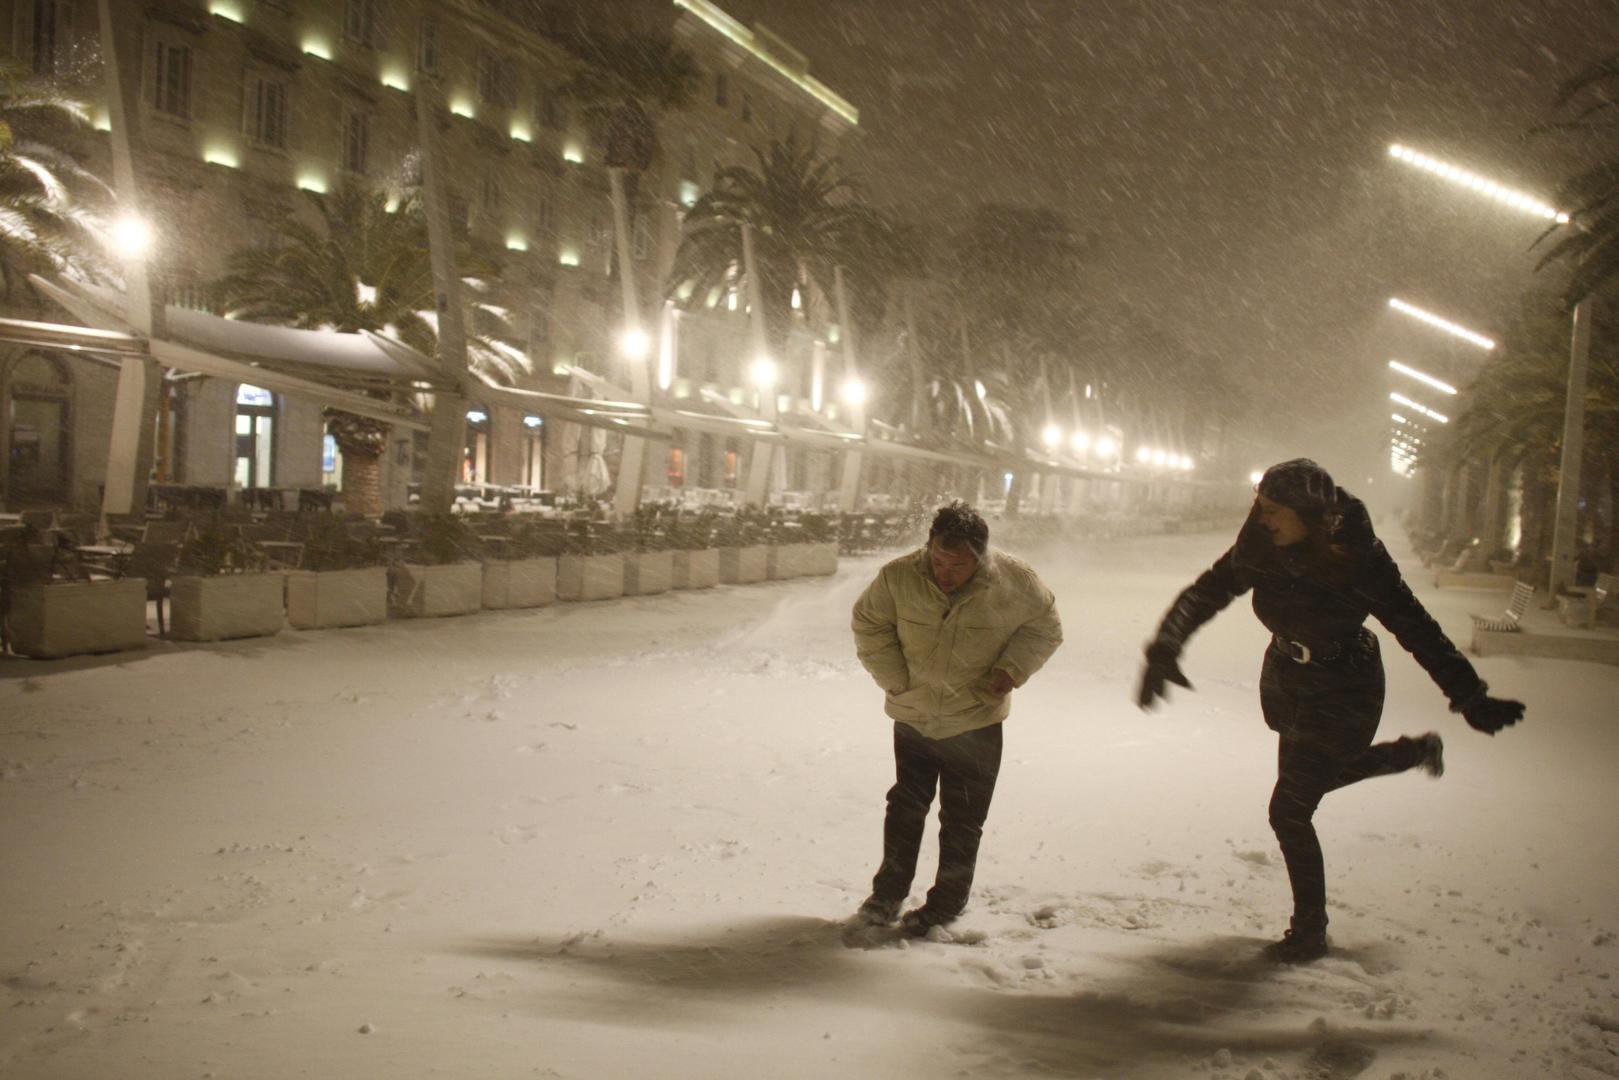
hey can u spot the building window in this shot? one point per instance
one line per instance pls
(359, 22)
(56, 43)
(677, 467)
(732, 461)
(37, 396)
(546, 216)
(533, 473)
(331, 464)
(497, 80)
(171, 79)
(641, 238)
(550, 109)
(356, 140)
(722, 89)
(255, 437)
(427, 46)
(475, 456)
(266, 120)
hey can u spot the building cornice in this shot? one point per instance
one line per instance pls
(717, 20)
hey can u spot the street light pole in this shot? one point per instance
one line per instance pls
(1566, 522)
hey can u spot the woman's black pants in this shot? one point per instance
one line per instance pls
(963, 768)
(1326, 715)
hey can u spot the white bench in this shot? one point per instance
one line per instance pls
(1508, 622)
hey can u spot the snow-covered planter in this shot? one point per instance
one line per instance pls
(788, 561)
(698, 569)
(72, 617)
(742, 565)
(590, 577)
(226, 606)
(420, 590)
(320, 599)
(519, 583)
(821, 558)
(648, 572)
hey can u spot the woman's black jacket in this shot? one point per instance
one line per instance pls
(1324, 609)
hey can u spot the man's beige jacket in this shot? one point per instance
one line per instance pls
(934, 657)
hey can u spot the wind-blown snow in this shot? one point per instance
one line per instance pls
(619, 840)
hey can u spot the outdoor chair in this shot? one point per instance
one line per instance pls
(1582, 610)
(166, 532)
(155, 563)
(1508, 621)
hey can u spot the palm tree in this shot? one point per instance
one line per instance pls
(48, 201)
(1591, 246)
(366, 267)
(806, 222)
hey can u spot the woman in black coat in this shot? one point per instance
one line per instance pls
(1317, 570)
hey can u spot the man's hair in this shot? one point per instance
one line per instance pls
(958, 525)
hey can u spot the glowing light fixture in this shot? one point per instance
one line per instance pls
(1080, 442)
(798, 301)
(221, 155)
(853, 391)
(1159, 458)
(532, 422)
(1106, 447)
(1401, 399)
(103, 120)
(395, 79)
(319, 48)
(1422, 377)
(764, 372)
(312, 182)
(1256, 476)
(460, 106)
(477, 416)
(516, 242)
(561, 367)
(689, 193)
(634, 344)
(226, 9)
(573, 154)
(1052, 435)
(569, 256)
(978, 388)
(719, 21)
(1489, 188)
(1143, 454)
(1440, 324)
(521, 131)
(132, 237)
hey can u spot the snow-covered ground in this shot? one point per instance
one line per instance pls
(619, 840)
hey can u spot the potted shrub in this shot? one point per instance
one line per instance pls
(49, 609)
(590, 567)
(221, 588)
(341, 580)
(648, 564)
(819, 533)
(786, 555)
(695, 561)
(525, 573)
(741, 546)
(442, 576)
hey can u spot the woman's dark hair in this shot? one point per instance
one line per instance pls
(958, 525)
(1331, 548)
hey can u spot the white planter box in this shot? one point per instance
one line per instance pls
(519, 583)
(317, 600)
(431, 591)
(822, 558)
(72, 617)
(788, 561)
(648, 572)
(742, 565)
(590, 577)
(228, 606)
(698, 569)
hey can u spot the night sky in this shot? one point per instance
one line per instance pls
(1230, 158)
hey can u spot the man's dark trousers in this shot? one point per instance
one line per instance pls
(963, 768)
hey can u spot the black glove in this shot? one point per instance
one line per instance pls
(1490, 714)
(1162, 667)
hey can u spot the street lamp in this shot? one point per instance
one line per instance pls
(634, 344)
(1106, 447)
(1080, 442)
(1488, 188)
(1422, 377)
(1454, 329)
(1051, 436)
(853, 391)
(132, 237)
(764, 372)
(1418, 407)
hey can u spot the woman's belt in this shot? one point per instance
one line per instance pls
(1321, 653)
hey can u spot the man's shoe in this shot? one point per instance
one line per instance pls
(1297, 947)
(878, 912)
(918, 921)
(1432, 761)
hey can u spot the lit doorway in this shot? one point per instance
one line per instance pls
(475, 456)
(255, 437)
(533, 472)
(38, 447)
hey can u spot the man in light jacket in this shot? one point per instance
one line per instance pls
(948, 631)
